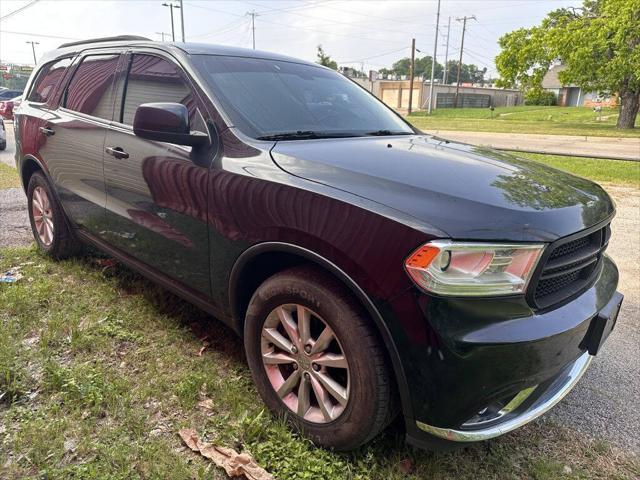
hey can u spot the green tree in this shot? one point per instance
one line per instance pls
(469, 73)
(324, 59)
(599, 44)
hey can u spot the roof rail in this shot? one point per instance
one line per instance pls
(119, 38)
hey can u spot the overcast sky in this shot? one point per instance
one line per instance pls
(373, 33)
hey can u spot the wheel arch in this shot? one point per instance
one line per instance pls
(268, 258)
(28, 167)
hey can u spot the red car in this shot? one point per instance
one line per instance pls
(7, 106)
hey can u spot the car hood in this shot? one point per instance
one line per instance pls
(465, 191)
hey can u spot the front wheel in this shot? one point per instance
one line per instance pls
(316, 360)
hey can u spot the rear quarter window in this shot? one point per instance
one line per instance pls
(47, 79)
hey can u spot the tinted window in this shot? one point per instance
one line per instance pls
(265, 97)
(154, 79)
(48, 77)
(91, 88)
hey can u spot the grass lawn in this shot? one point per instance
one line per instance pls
(525, 119)
(99, 369)
(597, 169)
(8, 177)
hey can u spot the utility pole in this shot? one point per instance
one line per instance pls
(162, 34)
(171, 7)
(253, 16)
(433, 60)
(33, 49)
(464, 28)
(445, 71)
(182, 20)
(412, 67)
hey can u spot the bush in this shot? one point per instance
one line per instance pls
(538, 96)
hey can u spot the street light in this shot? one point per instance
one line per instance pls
(33, 49)
(171, 7)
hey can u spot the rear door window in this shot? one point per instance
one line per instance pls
(91, 90)
(48, 77)
(154, 79)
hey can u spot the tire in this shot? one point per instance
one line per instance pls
(60, 242)
(371, 401)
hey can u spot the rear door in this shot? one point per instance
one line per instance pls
(73, 139)
(156, 192)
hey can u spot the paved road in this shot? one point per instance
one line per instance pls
(602, 147)
(603, 405)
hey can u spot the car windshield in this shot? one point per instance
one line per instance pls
(280, 100)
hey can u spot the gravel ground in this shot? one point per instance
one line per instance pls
(603, 405)
(14, 221)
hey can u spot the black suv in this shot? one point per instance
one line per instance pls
(370, 269)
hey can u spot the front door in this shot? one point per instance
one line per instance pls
(156, 192)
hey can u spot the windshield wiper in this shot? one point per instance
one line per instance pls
(298, 135)
(304, 135)
(385, 133)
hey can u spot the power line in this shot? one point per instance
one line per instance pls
(38, 35)
(18, 10)
(224, 29)
(374, 56)
(333, 21)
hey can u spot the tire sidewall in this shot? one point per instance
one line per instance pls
(354, 422)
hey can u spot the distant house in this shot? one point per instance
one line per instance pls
(571, 95)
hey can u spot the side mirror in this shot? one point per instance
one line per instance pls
(166, 122)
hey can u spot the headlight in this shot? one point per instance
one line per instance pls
(473, 269)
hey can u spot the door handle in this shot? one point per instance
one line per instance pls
(47, 131)
(117, 152)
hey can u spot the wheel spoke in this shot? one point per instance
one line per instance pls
(323, 340)
(323, 399)
(304, 393)
(334, 360)
(304, 324)
(36, 203)
(277, 358)
(336, 390)
(289, 325)
(37, 197)
(289, 384)
(275, 337)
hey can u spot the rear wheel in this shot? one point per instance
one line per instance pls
(48, 223)
(316, 359)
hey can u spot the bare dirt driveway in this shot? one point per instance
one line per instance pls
(603, 405)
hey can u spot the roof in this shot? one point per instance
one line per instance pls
(551, 79)
(189, 48)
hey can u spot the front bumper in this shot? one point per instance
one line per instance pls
(546, 399)
(498, 355)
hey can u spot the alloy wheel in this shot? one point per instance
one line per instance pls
(42, 215)
(305, 363)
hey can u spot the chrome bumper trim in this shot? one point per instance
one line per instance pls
(556, 392)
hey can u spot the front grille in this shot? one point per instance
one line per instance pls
(569, 267)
